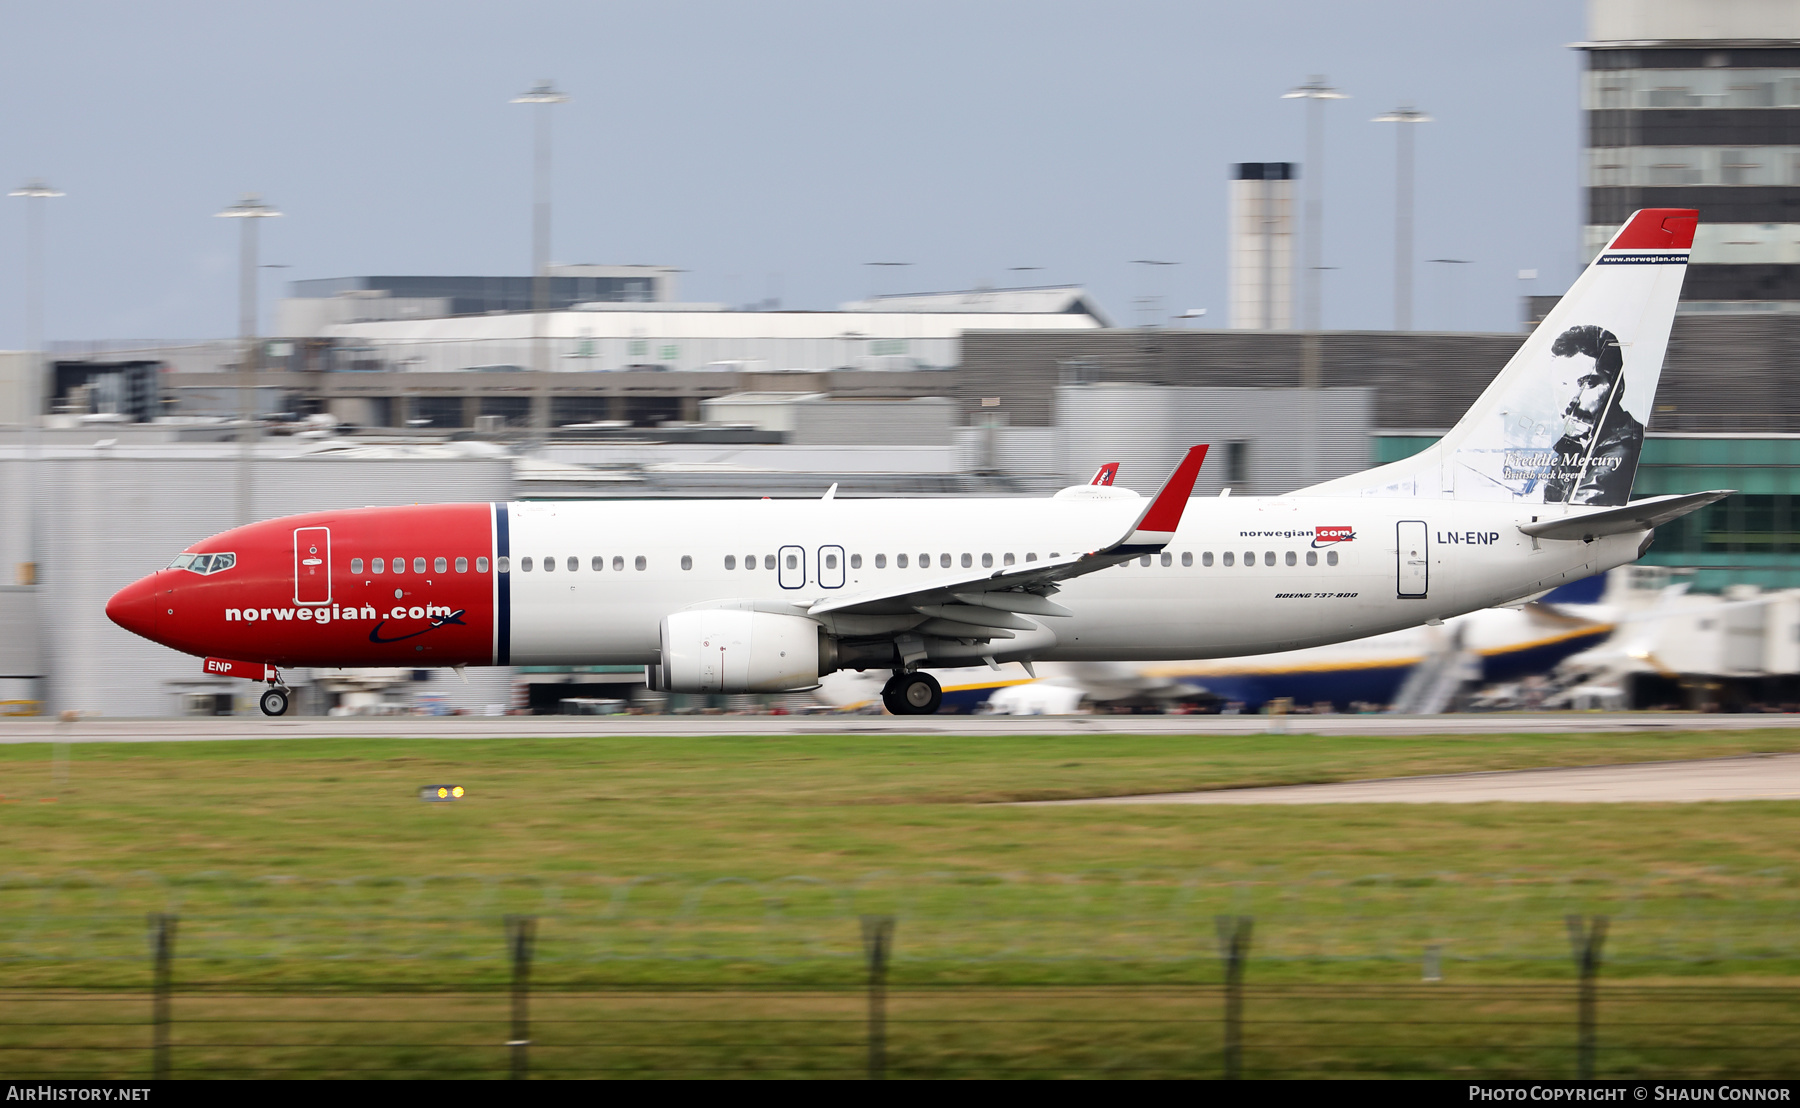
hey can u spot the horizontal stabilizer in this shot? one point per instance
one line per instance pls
(1639, 515)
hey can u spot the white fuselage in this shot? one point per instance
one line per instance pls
(1270, 598)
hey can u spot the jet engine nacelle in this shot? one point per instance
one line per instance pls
(730, 650)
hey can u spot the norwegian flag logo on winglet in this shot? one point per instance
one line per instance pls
(1328, 536)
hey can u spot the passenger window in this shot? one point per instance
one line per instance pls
(597, 563)
(856, 561)
(1268, 557)
(749, 561)
(1206, 558)
(356, 565)
(640, 562)
(900, 561)
(1008, 560)
(968, 562)
(440, 565)
(1187, 558)
(1168, 559)
(793, 561)
(481, 566)
(504, 565)
(730, 561)
(1331, 557)
(987, 561)
(418, 565)
(1144, 561)
(881, 561)
(1229, 559)
(1054, 554)
(924, 561)
(462, 565)
(1249, 557)
(1312, 557)
(1290, 557)
(687, 561)
(1031, 557)
(524, 565)
(618, 563)
(944, 561)
(831, 561)
(376, 565)
(768, 561)
(550, 564)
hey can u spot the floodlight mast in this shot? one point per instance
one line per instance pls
(1315, 92)
(34, 192)
(545, 95)
(250, 209)
(1403, 210)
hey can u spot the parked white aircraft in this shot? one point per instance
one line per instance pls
(1527, 492)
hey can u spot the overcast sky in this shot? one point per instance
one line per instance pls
(773, 148)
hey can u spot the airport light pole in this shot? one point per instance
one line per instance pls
(545, 95)
(1450, 292)
(250, 209)
(1403, 210)
(1315, 92)
(34, 193)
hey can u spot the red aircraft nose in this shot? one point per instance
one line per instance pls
(134, 607)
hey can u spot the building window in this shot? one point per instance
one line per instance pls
(1237, 463)
(687, 561)
(356, 565)
(481, 565)
(731, 561)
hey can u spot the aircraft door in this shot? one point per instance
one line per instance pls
(312, 565)
(1412, 557)
(791, 567)
(831, 567)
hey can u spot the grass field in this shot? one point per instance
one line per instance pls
(746, 862)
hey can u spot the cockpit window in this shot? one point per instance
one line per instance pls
(204, 563)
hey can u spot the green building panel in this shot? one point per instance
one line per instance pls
(1752, 538)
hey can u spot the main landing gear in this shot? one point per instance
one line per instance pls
(912, 694)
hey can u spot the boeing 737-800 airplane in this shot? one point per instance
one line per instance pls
(1530, 489)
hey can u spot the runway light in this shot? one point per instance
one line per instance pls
(441, 794)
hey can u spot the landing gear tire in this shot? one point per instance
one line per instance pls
(274, 702)
(913, 694)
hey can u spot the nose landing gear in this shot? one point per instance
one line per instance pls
(912, 694)
(274, 702)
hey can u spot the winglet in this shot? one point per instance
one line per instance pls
(1157, 525)
(1106, 474)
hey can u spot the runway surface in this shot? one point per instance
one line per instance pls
(1756, 777)
(520, 727)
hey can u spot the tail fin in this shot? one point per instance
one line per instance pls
(1564, 422)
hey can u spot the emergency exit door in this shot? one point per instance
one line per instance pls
(312, 565)
(1413, 560)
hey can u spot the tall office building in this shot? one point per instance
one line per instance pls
(1696, 104)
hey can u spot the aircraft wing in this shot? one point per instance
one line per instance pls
(988, 603)
(1639, 515)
